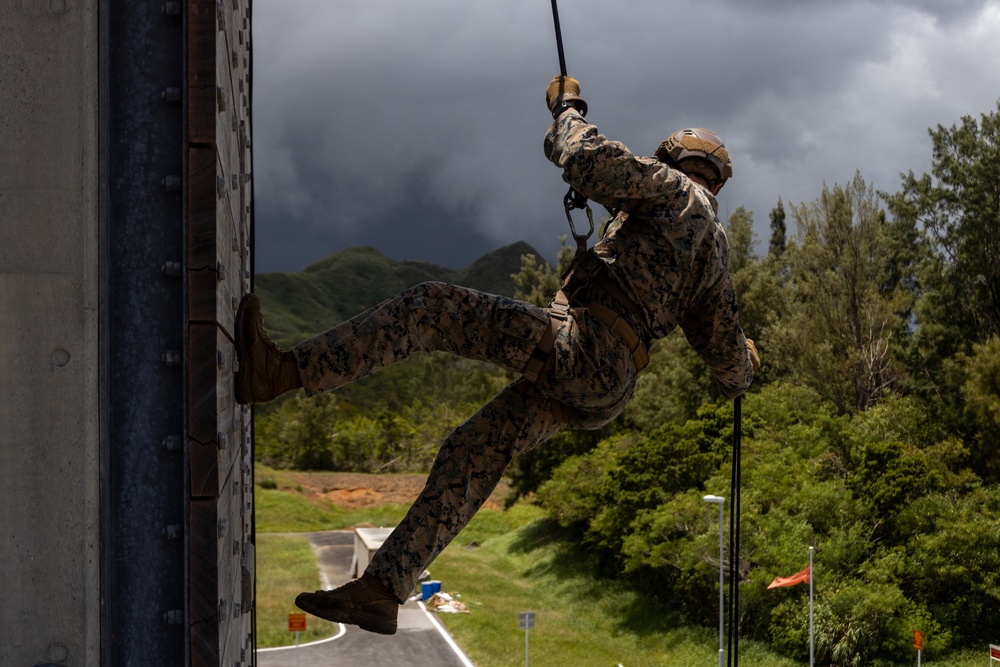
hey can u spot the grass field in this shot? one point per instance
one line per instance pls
(580, 621)
(502, 564)
(286, 566)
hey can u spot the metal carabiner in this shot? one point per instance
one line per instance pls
(574, 200)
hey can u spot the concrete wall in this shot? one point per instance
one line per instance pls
(49, 281)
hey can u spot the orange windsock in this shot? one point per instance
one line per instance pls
(797, 578)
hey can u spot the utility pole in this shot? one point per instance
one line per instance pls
(720, 501)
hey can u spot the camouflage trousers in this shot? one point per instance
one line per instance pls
(586, 382)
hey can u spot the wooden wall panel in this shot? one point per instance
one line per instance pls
(220, 187)
(216, 424)
(202, 23)
(218, 268)
(215, 551)
(222, 557)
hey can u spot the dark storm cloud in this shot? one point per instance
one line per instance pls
(416, 127)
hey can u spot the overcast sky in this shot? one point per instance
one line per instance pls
(415, 126)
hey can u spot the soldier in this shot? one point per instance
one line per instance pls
(662, 263)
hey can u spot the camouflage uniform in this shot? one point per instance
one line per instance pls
(664, 247)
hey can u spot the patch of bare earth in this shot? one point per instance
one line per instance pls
(359, 490)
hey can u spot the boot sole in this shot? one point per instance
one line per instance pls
(364, 620)
(245, 316)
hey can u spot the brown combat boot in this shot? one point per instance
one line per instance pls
(365, 602)
(265, 370)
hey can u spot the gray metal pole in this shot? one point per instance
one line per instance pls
(811, 629)
(722, 584)
(720, 501)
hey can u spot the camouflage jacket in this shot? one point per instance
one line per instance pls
(665, 245)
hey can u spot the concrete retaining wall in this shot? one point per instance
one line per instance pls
(49, 248)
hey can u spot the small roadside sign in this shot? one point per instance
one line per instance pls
(296, 622)
(918, 640)
(525, 621)
(994, 653)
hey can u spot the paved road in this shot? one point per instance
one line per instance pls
(419, 641)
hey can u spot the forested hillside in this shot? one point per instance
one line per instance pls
(299, 305)
(394, 420)
(869, 432)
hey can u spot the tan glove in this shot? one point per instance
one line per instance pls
(570, 97)
(754, 357)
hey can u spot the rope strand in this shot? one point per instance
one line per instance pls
(559, 44)
(733, 657)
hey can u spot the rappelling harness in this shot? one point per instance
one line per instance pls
(587, 273)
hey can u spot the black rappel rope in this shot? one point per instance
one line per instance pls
(562, 55)
(573, 199)
(733, 649)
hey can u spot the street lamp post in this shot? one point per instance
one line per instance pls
(720, 501)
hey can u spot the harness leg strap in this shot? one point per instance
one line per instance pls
(558, 312)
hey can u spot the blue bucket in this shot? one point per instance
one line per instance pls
(429, 588)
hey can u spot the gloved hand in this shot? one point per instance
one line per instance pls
(570, 96)
(754, 357)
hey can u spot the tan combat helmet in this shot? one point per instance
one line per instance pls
(707, 154)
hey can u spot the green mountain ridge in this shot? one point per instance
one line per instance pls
(299, 305)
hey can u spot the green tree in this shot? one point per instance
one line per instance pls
(297, 434)
(739, 231)
(982, 385)
(846, 311)
(537, 280)
(958, 205)
(952, 564)
(602, 492)
(779, 234)
(956, 209)
(981, 394)
(759, 285)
